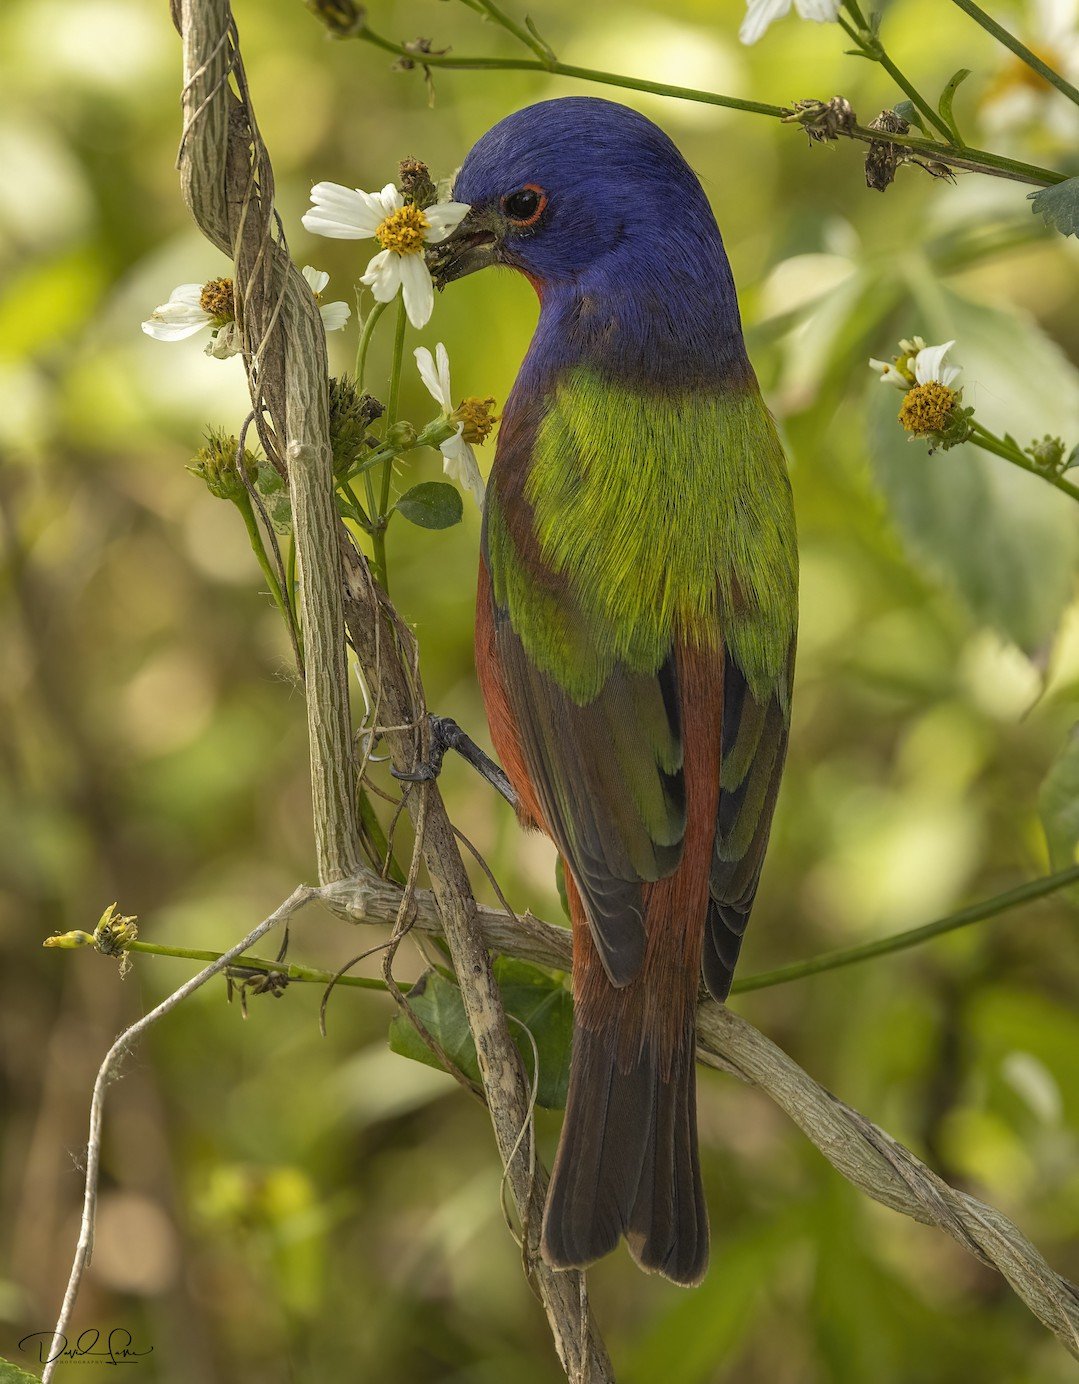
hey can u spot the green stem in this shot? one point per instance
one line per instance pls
(874, 50)
(257, 547)
(290, 578)
(392, 404)
(293, 971)
(1020, 50)
(540, 49)
(989, 442)
(976, 913)
(370, 322)
(356, 510)
(972, 160)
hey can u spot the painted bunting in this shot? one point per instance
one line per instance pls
(635, 631)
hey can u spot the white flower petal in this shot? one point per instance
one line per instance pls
(759, 14)
(417, 287)
(389, 199)
(175, 320)
(929, 361)
(190, 294)
(317, 279)
(425, 363)
(889, 374)
(383, 276)
(822, 11)
(343, 213)
(442, 360)
(442, 218)
(334, 315)
(459, 463)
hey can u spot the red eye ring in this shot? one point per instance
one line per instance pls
(534, 213)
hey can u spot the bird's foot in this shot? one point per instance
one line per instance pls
(446, 734)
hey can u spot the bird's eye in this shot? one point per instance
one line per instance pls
(525, 206)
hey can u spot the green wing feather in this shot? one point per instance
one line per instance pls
(642, 521)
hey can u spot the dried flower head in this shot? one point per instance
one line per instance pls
(417, 185)
(351, 415)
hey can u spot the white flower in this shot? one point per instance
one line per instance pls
(458, 458)
(761, 13)
(917, 363)
(1018, 96)
(402, 229)
(182, 316)
(192, 307)
(334, 315)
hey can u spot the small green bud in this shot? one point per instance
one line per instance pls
(1048, 454)
(216, 465)
(401, 436)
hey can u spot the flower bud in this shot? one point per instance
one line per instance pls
(216, 465)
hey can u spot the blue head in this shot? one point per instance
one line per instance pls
(594, 203)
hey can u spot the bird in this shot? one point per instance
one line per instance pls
(636, 619)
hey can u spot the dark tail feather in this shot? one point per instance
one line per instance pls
(627, 1165)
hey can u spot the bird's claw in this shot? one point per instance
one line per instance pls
(446, 734)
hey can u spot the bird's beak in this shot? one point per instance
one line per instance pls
(475, 244)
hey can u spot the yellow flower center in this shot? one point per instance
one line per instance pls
(216, 300)
(927, 407)
(403, 231)
(477, 417)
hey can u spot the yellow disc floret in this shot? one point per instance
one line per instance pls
(477, 418)
(927, 407)
(403, 231)
(216, 300)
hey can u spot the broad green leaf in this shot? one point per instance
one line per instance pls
(11, 1374)
(947, 96)
(1004, 540)
(534, 1000)
(1058, 206)
(1058, 806)
(432, 505)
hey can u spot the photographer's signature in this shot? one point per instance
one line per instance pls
(95, 1347)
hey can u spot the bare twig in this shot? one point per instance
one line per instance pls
(861, 1151)
(107, 1073)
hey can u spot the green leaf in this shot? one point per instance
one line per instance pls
(947, 96)
(432, 505)
(1058, 206)
(1058, 806)
(11, 1374)
(534, 1000)
(1005, 541)
(908, 111)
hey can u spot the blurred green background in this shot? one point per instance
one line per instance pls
(281, 1207)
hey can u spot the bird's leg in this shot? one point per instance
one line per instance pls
(446, 734)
